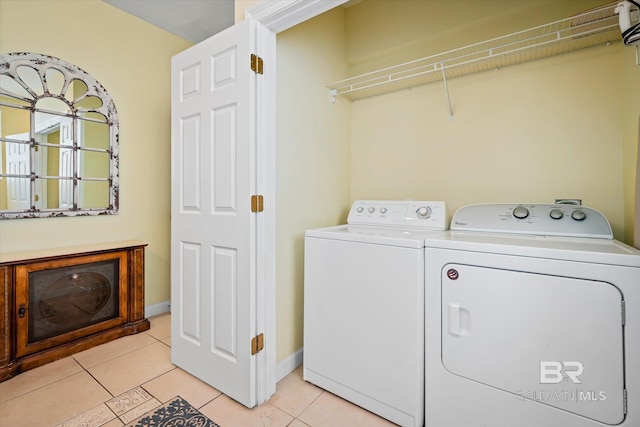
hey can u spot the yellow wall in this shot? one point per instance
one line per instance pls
(131, 59)
(313, 157)
(629, 90)
(559, 127)
(528, 133)
(382, 33)
(240, 6)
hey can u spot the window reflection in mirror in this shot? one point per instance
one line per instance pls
(58, 140)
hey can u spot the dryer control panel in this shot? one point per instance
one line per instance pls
(538, 219)
(415, 214)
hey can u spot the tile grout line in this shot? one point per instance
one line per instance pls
(107, 390)
(46, 384)
(97, 406)
(95, 379)
(177, 367)
(206, 403)
(86, 370)
(119, 417)
(120, 355)
(309, 405)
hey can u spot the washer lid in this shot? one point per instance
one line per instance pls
(389, 236)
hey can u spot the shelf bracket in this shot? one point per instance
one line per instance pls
(332, 95)
(446, 89)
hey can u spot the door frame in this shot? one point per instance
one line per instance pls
(276, 17)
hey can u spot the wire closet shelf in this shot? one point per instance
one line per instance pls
(595, 27)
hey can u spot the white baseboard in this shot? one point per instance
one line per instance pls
(288, 365)
(155, 309)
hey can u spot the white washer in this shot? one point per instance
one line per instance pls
(532, 319)
(364, 306)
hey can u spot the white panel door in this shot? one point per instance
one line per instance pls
(65, 164)
(18, 189)
(213, 231)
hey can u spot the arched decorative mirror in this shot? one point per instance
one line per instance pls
(58, 140)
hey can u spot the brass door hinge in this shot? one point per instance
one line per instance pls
(257, 203)
(257, 344)
(257, 64)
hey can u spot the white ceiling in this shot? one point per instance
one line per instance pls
(193, 20)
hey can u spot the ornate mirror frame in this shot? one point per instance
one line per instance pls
(30, 83)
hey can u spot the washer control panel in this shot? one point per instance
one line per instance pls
(420, 214)
(538, 219)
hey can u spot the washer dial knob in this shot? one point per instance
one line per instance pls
(372, 209)
(556, 214)
(578, 215)
(360, 209)
(520, 212)
(383, 210)
(424, 212)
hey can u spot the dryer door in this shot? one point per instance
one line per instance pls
(554, 340)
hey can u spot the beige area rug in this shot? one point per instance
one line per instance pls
(175, 413)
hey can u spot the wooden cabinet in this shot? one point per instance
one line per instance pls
(59, 302)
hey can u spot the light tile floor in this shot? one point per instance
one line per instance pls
(113, 384)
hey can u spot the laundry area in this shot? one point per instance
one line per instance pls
(530, 308)
(560, 127)
(535, 131)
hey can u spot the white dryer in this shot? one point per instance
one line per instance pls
(364, 306)
(532, 320)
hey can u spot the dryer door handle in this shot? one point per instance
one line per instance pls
(459, 320)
